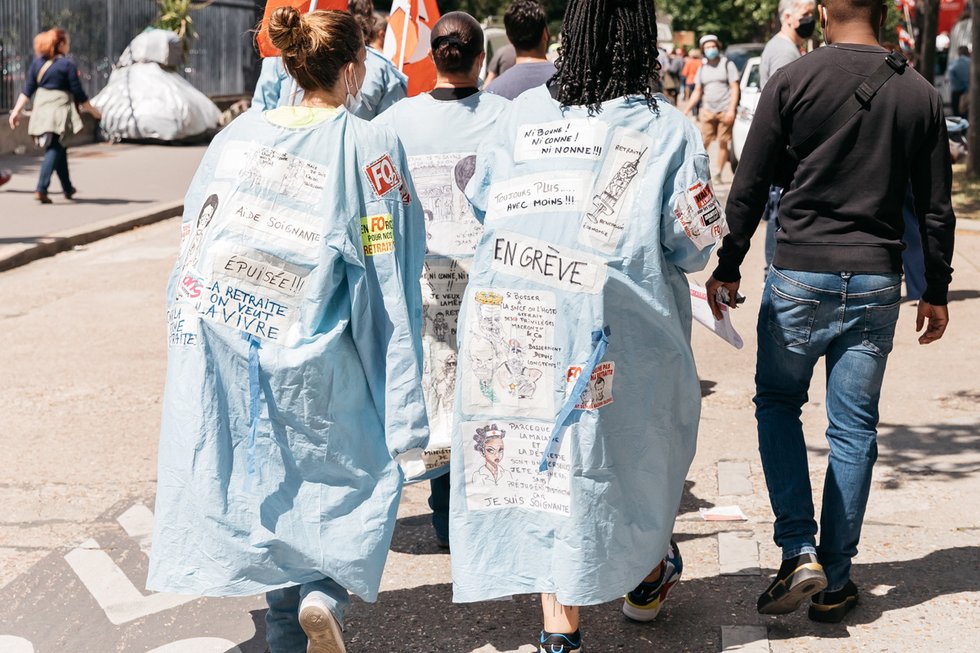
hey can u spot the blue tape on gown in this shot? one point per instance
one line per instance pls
(254, 407)
(600, 341)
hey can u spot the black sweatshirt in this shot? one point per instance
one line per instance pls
(841, 210)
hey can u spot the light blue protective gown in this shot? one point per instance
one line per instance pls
(383, 86)
(294, 366)
(275, 88)
(578, 314)
(440, 138)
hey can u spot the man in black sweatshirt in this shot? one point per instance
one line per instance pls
(835, 285)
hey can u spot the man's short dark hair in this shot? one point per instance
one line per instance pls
(848, 11)
(525, 22)
(964, 51)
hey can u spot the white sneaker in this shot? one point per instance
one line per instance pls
(320, 626)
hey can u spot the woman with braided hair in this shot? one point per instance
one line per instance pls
(596, 200)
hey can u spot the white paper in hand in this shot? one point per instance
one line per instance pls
(702, 313)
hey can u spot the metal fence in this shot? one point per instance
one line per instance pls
(221, 61)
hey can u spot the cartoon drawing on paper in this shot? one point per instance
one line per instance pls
(440, 179)
(515, 376)
(489, 442)
(606, 201)
(204, 218)
(483, 363)
(599, 390)
(440, 328)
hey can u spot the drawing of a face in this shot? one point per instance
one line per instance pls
(483, 358)
(207, 212)
(515, 359)
(449, 365)
(493, 452)
(600, 389)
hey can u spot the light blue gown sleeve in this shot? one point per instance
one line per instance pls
(269, 87)
(383, 86)
(679, 247)
(386, 318)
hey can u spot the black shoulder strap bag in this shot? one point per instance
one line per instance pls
(860, 100)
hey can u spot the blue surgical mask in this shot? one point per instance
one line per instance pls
(711, 53)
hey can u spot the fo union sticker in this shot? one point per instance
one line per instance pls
(377, 234)
(598, 392)
(383, 176)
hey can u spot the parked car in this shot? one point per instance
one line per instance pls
(748, 100)
(740, 53)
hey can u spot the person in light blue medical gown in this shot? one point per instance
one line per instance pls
(294, 368)
(384, 84)
(577, 395)
(275, 88)
(440, 131)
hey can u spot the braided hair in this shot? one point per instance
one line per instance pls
(608, 50)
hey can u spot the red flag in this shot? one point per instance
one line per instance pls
(407, 42)
(266, 49)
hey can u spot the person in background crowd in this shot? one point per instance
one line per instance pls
(503, 60)
(958, 74)
(716, 90)
(383, 84)
(52, 80)
(834, 288)
(440, 131)
(567, 471)
(289, 403)
(798, 24)
(692, 63)
(674, 70)
(526, 24)
(379, 30)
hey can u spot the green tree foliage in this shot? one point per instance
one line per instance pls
(175, 15)
(483, 8)
(736, 21)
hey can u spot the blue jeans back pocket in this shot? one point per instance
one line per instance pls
(879, 327)
(790, 318)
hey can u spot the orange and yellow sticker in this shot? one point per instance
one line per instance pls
(377, 234)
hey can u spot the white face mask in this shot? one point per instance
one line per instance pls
(352, 101)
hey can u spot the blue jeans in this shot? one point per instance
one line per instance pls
(55, 161)
(282, 630)
(439, 503)
(849, 319)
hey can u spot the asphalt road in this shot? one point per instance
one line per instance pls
(83, 363)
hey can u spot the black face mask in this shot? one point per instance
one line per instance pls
(806, 27)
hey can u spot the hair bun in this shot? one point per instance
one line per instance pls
(286, 29)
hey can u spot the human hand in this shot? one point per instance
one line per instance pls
(14, 119)
(728, 118)
(938, 317)
(712, 288)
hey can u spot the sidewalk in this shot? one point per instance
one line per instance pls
(119, 187)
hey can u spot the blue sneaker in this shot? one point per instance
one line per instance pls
(644, 602)
(560, 643)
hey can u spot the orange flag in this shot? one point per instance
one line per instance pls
(407, 42)
(266, 49)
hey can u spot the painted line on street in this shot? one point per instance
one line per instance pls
(734, 478)
(111, 588)
(738, 554)
(137, 521)
(745, 639)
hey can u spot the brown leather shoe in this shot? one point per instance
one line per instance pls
(42, 198)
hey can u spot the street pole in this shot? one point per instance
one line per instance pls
(930, 26)
(973, 136)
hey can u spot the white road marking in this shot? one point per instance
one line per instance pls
(138, 524)
(745, 639)
(112, 589)
(738, 554)
(11, 644)
(734, 478)
(199, 645)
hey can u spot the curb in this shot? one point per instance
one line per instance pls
(62, 241)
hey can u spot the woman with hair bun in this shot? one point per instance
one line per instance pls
(440, 131)
(596, 200)
(382, 84)
(53, 82)
(294, 368)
